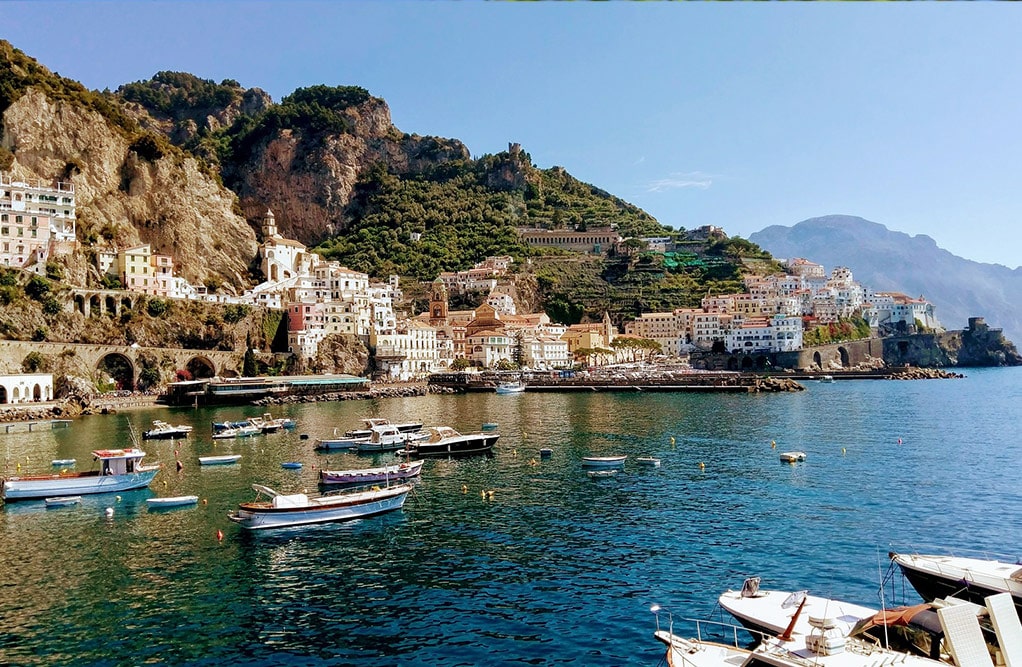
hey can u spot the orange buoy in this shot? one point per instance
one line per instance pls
(219, 535)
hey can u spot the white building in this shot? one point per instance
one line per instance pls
(26, 388)
(37, 221)
(758, 335)
(409, 353)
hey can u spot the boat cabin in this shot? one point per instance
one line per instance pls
(118, 461)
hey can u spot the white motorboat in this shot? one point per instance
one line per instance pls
(161, 430)
(648, 461)
(221, 460)
(279, 511)
(792, 457)
(972, 579)
(444, 441)
(369, 422)
(603, 461)
(510, 387)
(119, 470)
(770, 612)
(386, 438)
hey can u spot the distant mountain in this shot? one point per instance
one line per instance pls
(894, 261)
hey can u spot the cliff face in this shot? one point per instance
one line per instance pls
(128, 199)
(308, 181)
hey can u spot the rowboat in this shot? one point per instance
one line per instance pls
(225, 459)
(172, 501)
(398, 472)
(62, 463)
(63, 501)
(299, 509)
(292, 465)
(648, 461)
(607, 472)
(603, 461)
(119, 470)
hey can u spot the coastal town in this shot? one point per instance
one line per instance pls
(323, 298)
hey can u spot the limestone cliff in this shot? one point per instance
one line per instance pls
(130, 188)
(307, 178)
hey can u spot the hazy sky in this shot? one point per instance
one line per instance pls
(739, 115)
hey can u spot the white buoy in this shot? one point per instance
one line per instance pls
(109, 511)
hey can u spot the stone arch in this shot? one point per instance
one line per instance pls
(732, 364)
(80, 303)
(746, 363)
(845, 363)
(3, 394)
(111, 305)
(95, 305)
(15, 395)
(37, 393)
(817, 359)
(118, 367)
(200, 367)
(761, 363)
(126, 303)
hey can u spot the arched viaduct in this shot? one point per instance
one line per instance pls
(92, 357)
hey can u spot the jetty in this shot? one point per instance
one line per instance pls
(38, 425)
(631, 381)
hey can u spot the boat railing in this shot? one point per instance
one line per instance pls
(944, 550)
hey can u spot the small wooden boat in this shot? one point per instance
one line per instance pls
(291, 465)
(173, 501)
(225, 459)
(300, 509)
(609, 472)
(62, 463)
(792, 457)
(648, 461)
(119, 470)
(603, 461)
(63, 501)
(397, 472)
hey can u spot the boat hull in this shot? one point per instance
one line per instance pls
(15, 488)
(455, 447)
(176, 501)
(965, 578)
(219, 460)
(344, 509)
(603, 461)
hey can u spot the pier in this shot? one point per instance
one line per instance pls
(29, 426)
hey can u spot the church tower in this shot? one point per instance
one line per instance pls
(269, 225)
(438, 303)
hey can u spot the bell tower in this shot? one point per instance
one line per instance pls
(269, 225)
(438, 303)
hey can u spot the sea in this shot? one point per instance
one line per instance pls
(513, 559)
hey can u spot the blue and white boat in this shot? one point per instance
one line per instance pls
(119, 470)
(510, 387)
(300, 509)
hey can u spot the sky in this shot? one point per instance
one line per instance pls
(740, 115)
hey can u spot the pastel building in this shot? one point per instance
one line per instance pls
(37, 221)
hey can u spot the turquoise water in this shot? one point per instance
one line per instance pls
(557, 568)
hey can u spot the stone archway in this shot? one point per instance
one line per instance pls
(200, 368)
(80, 303)
(37, 393)
(119, 368)
(95, 305)
(817, 359)
(844, 357)
(746, 363)
(3, 395)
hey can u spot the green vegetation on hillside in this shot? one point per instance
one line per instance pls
(178, 94)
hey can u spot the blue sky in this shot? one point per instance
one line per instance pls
(740, 115)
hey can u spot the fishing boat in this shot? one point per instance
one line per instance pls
(173, 501)
(279, 510)
(63, 501)
(223, 459)
(603, 461)
(369, 422)
(397, 472)
(338, 443)
(227, 425)
(119, 470)
(161, 430)
(444, 441)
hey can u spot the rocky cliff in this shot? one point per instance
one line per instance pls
(130, 192)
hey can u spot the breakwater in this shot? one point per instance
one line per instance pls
(644, 380)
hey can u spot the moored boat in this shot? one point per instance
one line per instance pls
(972, 579)
(171, 501)
(297, 509)
(603, 461)
(397, 472)
(62, 463)
(63, 501)
(510, 387)
(387, 438)
(444, 441)
(119, 470)
(223, 459)
(161, 430)
(648, 461)
(345, 442)
(792, 457)
(370, 422)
